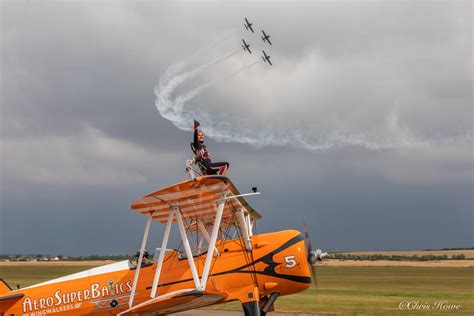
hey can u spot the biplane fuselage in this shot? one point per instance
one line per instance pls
(276, 263)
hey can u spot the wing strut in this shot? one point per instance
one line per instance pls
(212, 243)
(244, 228)
(164, 244)
(187, 248)
(140, 259)
(176, 213)
(205, 234)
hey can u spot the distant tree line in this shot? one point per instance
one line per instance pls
(98, 257)
(342, 256)
(459, 248)
(375, 257)
(40, 257)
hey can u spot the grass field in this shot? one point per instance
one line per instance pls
(341, 289)
(468, 253)
(25, 275)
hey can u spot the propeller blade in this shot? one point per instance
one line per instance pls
(314, 275)
(307, 240)
(311, 255)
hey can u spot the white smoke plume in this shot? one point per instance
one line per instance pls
(178, 109)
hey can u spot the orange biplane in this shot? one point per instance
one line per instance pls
(223, 260)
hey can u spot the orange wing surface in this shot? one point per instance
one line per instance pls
(174, 302)
(196, 199)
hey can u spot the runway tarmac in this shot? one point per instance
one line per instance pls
(200, 312)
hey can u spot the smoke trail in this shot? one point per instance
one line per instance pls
(243, 69)
(221, 130)
(220, 39)
(173, 110)
(182, 99)
(242, 131)
(225, 57)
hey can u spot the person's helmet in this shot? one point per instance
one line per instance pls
(145, 254)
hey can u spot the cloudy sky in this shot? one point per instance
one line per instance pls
(363, 125)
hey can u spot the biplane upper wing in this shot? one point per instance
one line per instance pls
(174, 302)
(196, 200)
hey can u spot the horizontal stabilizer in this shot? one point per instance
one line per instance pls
(174, 302)
(12, 297)
(8, 301)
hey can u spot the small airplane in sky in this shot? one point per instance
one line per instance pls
(266, 38)
(246, 46)
(248, 25)
(266, 58)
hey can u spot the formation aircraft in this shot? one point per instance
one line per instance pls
(266, 58)
(246, 46)
(266, 38)
(248, 25)
(223, 260)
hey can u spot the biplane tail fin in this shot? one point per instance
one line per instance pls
(4, 287)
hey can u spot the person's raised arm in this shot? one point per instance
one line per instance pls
(196, 142)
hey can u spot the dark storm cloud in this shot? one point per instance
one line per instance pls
(81, 137)
(56, 60)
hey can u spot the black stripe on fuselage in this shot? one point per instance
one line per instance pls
(267, 259)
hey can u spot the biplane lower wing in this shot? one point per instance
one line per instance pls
(174, 302)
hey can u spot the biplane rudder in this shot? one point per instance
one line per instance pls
(4, 287)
